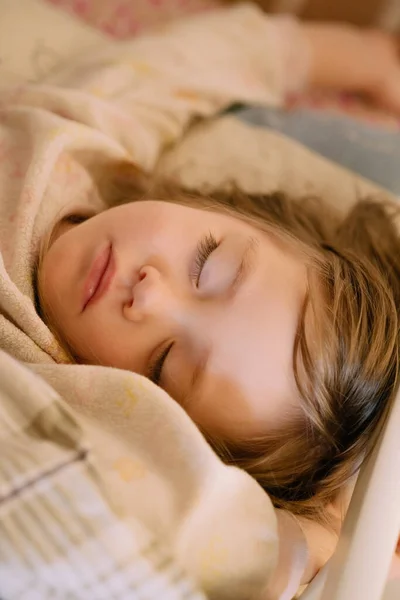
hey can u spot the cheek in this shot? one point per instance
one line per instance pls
(250, 385)
(57, 281)
(221, 410)
(50, 281)
(254, 348)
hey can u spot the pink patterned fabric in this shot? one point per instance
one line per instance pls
(122, 19)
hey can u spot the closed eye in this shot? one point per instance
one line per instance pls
(156, 367)
(205, 248)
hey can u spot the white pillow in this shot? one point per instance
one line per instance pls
(36, 37)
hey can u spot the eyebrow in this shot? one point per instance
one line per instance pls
(245, 268)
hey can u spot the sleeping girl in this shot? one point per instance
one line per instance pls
(272, 321)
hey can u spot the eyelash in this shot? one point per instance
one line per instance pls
(155, 369)
(76, 219)
(205, 248)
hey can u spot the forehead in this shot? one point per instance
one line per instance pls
(174, 212)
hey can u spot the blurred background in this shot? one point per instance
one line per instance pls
(382, 13)
(123, 18)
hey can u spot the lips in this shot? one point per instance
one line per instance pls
(99, 278)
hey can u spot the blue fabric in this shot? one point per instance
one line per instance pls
(370, 150)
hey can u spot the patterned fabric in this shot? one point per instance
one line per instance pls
(124, 18)
(59, 536)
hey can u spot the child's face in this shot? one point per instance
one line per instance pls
(219, 335)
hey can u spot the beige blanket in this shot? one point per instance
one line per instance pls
(166, 491)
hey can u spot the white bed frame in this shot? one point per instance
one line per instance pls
(358, 570)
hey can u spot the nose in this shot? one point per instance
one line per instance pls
(151, 296)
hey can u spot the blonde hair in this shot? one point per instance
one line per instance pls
(347, 376)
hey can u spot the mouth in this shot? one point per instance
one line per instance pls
(99, 278)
